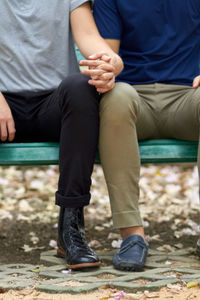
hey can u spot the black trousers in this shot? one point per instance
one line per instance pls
(69, 114)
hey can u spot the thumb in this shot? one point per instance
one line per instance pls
(196, 82)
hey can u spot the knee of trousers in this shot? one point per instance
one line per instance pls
(77, 96)
(121, 104)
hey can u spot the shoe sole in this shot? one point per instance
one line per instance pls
(81, 266)
(126, 267)
(61, 253)
(132, 269)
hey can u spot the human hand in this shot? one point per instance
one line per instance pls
(101, 71)
(7, 124)
(196, 82)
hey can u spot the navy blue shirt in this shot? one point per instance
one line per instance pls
(159, 39)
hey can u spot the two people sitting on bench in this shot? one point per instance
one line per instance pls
(44, 98)
(156, 96)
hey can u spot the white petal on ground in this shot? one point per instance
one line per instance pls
(53, 243)
(94, 244)
(116, 243)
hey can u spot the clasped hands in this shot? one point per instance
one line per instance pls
(100, 70)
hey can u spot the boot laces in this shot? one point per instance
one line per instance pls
(78, 239)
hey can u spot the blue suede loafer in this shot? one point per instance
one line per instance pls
(132, 254)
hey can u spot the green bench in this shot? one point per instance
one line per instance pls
(151, 151)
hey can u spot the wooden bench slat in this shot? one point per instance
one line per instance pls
(151, 151)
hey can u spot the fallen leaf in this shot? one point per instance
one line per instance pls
(166, 248)
(94, 244)
(99, 228)
(192, 284)
(150, 295)
(119, 296)
(53, 243)
(69, 271)
(174, 287)
(112, 236)
(132, 297)
(27, 248)
(116, 244)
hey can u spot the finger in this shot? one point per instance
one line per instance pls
(196, 82)
(107, 76)
(98, 83)
(106, 67)
(11, 130)
(104, 77)
(106, 58)
(99, 70)
(98, 74)
(100, 55)
(102, 84)
(104, 90)
(91, 63)
(93, 72)
(3, 131)
(107, 88)
(95, 78)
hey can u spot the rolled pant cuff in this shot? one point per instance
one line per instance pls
(79, 201)
(127, 219)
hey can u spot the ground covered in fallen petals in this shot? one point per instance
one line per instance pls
(169, 204)
(172, 293)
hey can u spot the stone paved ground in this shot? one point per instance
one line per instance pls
(27, 197)
(161, 269)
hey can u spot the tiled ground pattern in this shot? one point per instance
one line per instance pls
(161, 269)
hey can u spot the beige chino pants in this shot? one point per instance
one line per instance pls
(131, 113)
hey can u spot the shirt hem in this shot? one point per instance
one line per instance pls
(155, 81)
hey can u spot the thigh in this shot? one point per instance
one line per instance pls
(146, 124)
(126, 104)
(47, 121)
(39, 116)
(36, 116)
(73, 98)
(179, 117)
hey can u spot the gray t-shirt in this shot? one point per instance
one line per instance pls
(36, 44)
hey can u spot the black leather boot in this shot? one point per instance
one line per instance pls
(72, 242)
